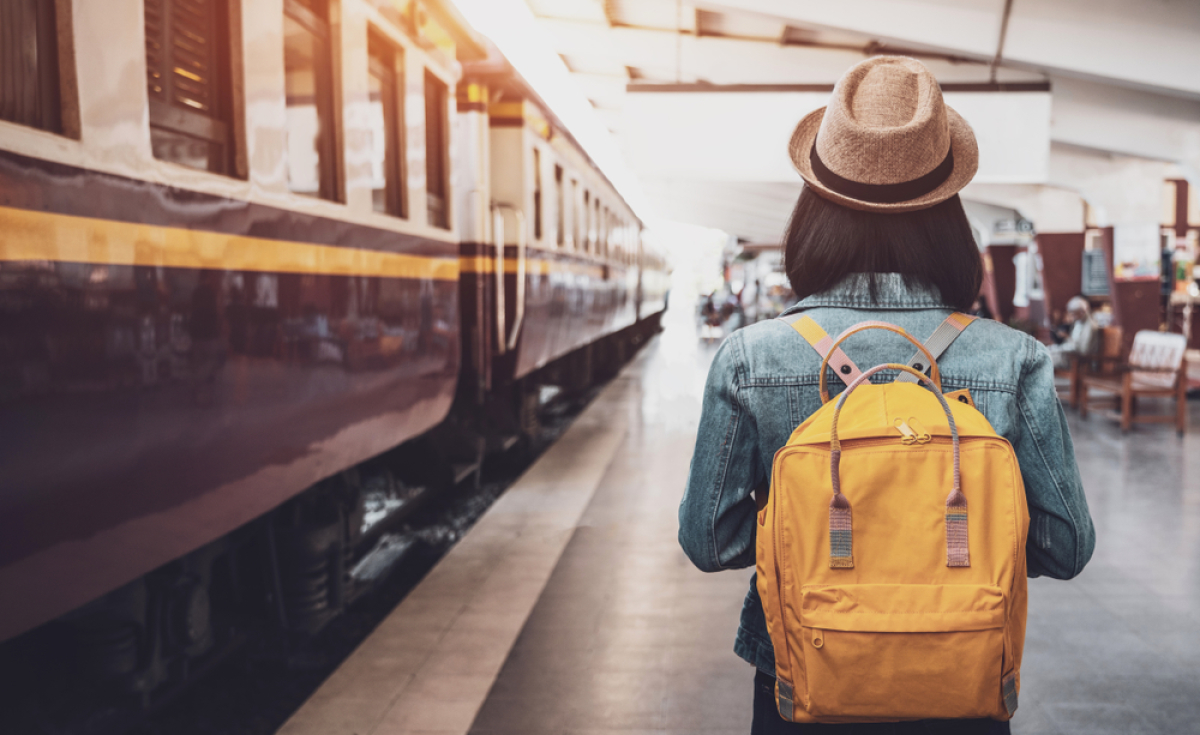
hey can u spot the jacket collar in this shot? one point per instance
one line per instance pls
(891, 293)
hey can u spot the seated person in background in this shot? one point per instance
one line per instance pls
(1076, 336)
(712, 316)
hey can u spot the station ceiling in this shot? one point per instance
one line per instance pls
(699, 94)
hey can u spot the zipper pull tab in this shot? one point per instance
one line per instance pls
(909, 436)
(923, 436)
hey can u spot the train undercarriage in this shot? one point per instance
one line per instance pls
(283, 577)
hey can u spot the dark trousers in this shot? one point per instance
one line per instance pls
(768, 722)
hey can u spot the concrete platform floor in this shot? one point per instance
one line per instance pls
(570, 609)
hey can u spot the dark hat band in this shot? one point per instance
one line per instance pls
(882, 193)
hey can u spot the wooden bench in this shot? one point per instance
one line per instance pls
(1156, 367)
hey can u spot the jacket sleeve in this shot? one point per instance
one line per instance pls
(1061, 535)
(717, 514)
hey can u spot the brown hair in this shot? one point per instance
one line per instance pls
(934, 247)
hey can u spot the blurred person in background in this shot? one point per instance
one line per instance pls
(710, 317)
(1075, 336)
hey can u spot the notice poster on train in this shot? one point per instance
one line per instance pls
(1137, 252)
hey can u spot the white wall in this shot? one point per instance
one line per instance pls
(743, 136)
(1129, 121)
(1051, 209)
(1123, 190)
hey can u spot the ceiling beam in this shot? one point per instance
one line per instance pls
(1157, 41)
(725, 59)
(1003, 33)
(790, 38)
(826, 88)
(610, 13)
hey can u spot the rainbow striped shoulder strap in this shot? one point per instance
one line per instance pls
(844, 367)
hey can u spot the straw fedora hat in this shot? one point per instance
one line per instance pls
(886, 142)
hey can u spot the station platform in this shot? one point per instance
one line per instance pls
(569, 607)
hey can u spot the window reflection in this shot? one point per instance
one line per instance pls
(436, 153)
(379, 143)
(384, 118)
(309, 133)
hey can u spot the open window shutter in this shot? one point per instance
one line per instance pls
(183, 67)
(181, 53)
(29, 92)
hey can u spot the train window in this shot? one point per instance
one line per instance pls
(576, 242)
(537, 194)
(602, 236)
(612, 232)
(436, 152)
(585, 226)
(29, 64)
(189, 81)
(386, 68)
(594, 228)
(561, 206)
(308, 68)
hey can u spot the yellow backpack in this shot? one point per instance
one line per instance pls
(891, 554)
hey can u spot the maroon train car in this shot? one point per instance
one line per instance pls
(245, 249)
(556, 280)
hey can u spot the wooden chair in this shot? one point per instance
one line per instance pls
(1069, 392)
(1101, 362)
(1156, 367)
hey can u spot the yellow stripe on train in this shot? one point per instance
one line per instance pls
(46, 236)
(533, 266)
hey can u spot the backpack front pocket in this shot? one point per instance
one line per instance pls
(894, 651)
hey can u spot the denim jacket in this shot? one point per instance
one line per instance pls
(763, 383)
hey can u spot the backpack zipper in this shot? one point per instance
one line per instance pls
(923, 436)
(882, 441)
(913, 433)
(909, 436)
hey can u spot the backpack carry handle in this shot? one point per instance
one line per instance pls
(933, 366)
(841, 534)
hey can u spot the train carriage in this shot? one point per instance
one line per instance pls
(551, 252)
(245, 247)
(205, 314)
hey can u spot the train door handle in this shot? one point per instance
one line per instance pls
(501, 266)
(519, 318)
(498, 237)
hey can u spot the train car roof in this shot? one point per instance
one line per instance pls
(469, 44)
(494, 69)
